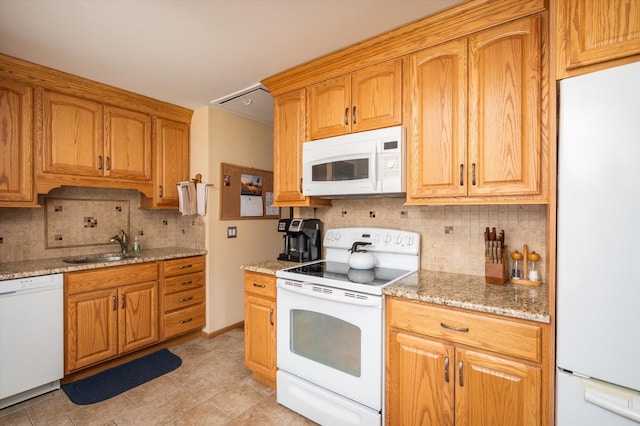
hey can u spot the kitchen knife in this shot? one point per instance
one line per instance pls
(487, 258)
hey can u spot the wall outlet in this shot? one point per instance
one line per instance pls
(232, 232)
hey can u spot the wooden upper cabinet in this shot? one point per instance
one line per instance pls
(171, 142)
(288, 137)
(363, 100)
(127, 144)
(72, 135)
(437, 132)
(475, 111)
(16, 154)
(505, 109)
(593, 32)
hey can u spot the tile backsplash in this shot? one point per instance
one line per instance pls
(83, 222)
(40, 233)
(451, 236)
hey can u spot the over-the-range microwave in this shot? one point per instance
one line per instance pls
(364, 163)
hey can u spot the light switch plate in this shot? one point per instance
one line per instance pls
(232, 232)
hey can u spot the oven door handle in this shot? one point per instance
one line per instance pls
(345, 296)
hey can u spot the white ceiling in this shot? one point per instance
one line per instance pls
(190, 52)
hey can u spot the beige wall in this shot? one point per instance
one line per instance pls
(217, 136)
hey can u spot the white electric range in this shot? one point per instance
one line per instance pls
(330, 346)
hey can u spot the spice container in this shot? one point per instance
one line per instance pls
(533, 258)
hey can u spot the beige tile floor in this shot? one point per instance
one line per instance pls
(211, 387)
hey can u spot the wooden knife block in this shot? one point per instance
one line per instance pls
(496, 273)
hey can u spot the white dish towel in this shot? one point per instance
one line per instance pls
(192, 198)
(201, 198)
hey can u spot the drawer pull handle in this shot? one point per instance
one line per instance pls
(460, 373)
(186, 299)
(346, 116)
(99, 162)
(450, 327)
(115, 303)
(124, 298)
(259, 285)
(461, 174)
(186, 282)
(271, 316)
(186, 321)
(446, 369)
(185, 266)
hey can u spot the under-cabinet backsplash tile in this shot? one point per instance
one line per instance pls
(452, 236)
(84, 222)
(25, 233)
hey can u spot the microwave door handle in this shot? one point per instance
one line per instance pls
(373, 168)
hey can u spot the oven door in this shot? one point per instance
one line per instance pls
(332, 338)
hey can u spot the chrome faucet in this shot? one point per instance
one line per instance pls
(122, 239)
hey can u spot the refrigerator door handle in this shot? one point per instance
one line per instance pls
(611, 398)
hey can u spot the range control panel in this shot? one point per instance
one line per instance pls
(379, 239)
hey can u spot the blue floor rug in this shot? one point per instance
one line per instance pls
(114, 381)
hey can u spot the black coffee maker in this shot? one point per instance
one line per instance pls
(302, 239)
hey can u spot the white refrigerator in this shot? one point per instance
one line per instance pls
(598, 276)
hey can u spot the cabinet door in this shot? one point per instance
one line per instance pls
(138, 316)
(171, 143)
(329, 108)
(420, 381)
(437, 134)
(288, 137)
(16, 155)
(260, 335)
(127, 144)
(505, 109)
(376, 96)
(91, 328)
(72, 136)
(496, 391)
(599, 30)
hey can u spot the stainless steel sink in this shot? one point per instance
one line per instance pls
(99, 258)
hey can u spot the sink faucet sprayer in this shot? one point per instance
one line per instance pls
(121, 238)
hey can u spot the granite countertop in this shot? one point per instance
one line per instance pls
(269, 266)
(32, 268)
(471, 292)
(456, 290)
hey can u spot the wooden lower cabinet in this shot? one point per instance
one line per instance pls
(109, 312)
(434, 377)
(183, 296)
(260, 326)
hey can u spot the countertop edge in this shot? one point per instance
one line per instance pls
(32, 268)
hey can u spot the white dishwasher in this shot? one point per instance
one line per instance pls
(31, 337)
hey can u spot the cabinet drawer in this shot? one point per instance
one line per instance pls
(183, 265)
(97, 279)
(499, 335)
(183, 298)
(183, 321)
(183, 282)
(260, 284)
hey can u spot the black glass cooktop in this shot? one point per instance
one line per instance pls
(342, 272)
